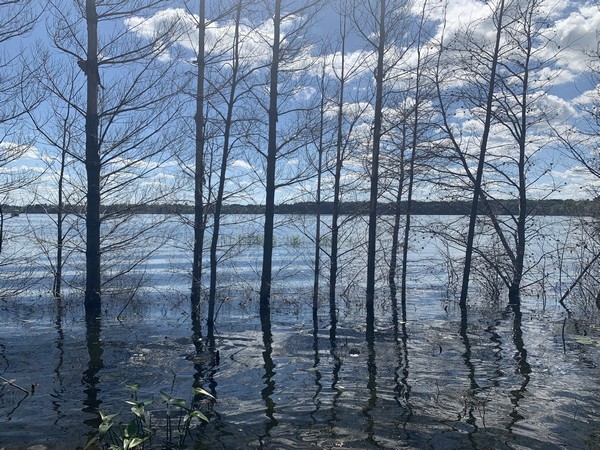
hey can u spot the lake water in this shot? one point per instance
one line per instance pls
(515, 378)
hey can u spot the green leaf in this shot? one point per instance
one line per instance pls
(197, 415)
(201, 391)
(139, 409)
(166, 397)
(90, 442)
(179, 402)
(137, 441)
(132, 386)
(107, 417)
(104, 427)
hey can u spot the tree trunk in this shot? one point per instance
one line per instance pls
(222, 178)
(411, 167)
(514, 289)
(267, 263)
(481, 162)
(57, 285)
(199, 223)
(318, 201)
(372, 233)
(93, 307)
(396, 230)
(337, 177)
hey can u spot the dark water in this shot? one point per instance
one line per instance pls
(507, 378)
(514, 379)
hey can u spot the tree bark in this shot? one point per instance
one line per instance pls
(318, 202)
(222, 178)
(199, 224)
(337, 177)
(93, 307)
(267, 262)
(482, 151)
(372, 233)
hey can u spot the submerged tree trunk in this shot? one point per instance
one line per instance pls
(337, 176)
(222, 177)
(372, 232)
(317, 269)
(411, 167)
(267, 262)
(199, 223)
(480, 166)
(514, 289)
(93, 306)
(396, 230)
(60, 217)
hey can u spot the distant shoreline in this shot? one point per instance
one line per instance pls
(539, 207)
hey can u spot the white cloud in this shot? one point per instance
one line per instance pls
(575, 35)
(243, 165)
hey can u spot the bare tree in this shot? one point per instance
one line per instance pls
(57, 126)
(346, 122)
(379, 22)
(234, 76)
(199, 166)
(515, 117)
(498, 18)
(126, 118)
(286, 48)
(17, 18)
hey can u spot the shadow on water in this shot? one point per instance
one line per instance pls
(90, 378)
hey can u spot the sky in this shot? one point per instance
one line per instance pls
(572, 30)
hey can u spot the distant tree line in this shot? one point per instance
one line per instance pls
(548, 207)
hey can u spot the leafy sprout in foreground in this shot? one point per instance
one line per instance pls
(180, 420)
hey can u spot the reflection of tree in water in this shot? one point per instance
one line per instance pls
(471, 401)
(60, 340)
(269, 389)
(90, 378)
(371, 387)
(7, 384)
(523, 367)
(337, 367)
(402, 388)
(206, 365)
(318, 386)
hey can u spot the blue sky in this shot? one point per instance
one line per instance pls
(573, 26)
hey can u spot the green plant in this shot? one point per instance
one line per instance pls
(184, 415)
(136, 432)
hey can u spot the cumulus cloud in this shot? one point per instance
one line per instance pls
(574, 36)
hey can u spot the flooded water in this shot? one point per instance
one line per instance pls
(508, 378)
